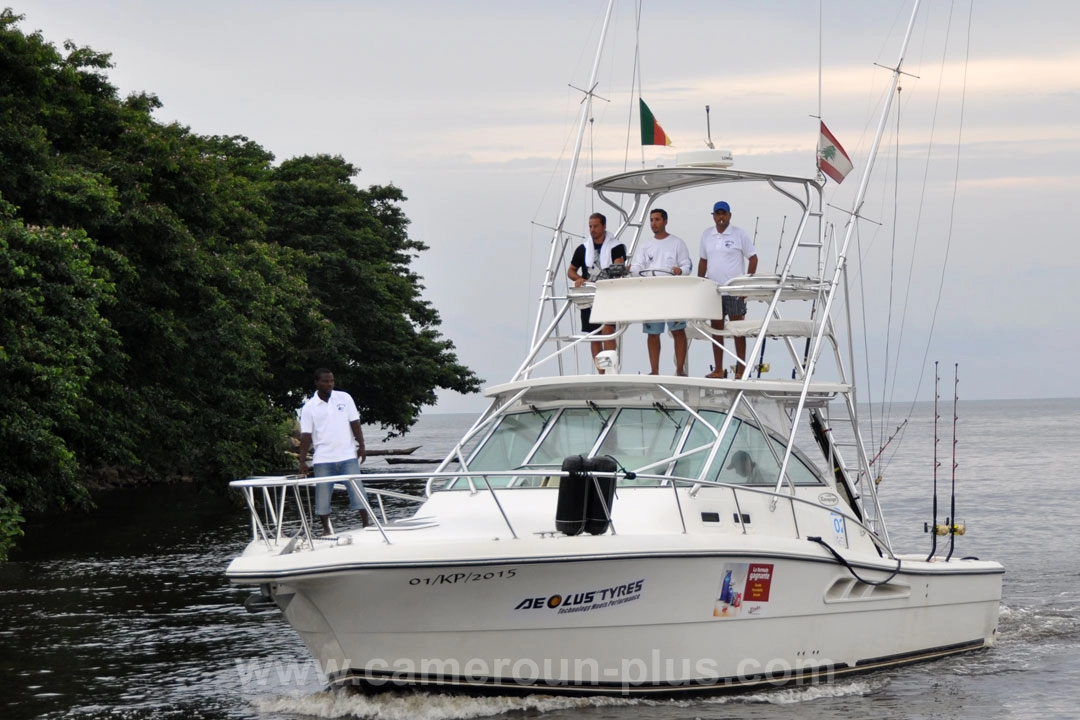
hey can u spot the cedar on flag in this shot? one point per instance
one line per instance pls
(832, 159)
(651, 132)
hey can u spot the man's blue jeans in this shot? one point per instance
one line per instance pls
(323, 490)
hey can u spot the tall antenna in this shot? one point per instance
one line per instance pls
(708, 129)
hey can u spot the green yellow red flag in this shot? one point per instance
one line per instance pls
(651, 132)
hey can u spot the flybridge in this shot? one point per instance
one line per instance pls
(559, 344)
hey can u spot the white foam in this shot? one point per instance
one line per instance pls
(1041, 623)
(423, 706)
(416, 705)
(795, 695)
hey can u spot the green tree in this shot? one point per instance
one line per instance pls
(166, 295)
(52, 334)
(355, 254)
(211, 303)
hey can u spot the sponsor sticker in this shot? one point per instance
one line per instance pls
(584, 600)
(744, 589)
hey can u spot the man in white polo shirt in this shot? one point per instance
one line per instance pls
(330, 421)
(724, 248)
(667, 254)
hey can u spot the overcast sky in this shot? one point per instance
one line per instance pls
(467, 107)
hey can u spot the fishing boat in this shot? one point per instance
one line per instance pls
(604, 533)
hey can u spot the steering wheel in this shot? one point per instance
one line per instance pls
(656, 272)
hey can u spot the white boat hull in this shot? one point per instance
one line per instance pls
(635, 625)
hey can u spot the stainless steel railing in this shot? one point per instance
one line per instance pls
(268, 500)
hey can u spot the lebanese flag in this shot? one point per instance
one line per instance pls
(832, 160)
(651, 132)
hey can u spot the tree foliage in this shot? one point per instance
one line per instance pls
(52, 335)
(354, 254)
(165, 295)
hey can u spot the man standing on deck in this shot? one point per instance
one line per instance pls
(723, 249)
(589, 259)
(330, 421)
(669, 255)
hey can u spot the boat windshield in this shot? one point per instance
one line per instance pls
(648, 440)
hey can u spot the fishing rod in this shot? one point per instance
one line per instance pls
(761, 356)
(813, 310)
(934, 529)
(780, 245)
(881, 450)
(761, 366)
(955, 527)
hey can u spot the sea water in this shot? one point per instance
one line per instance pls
(126, 613)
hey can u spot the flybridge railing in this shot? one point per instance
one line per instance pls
(268, 500)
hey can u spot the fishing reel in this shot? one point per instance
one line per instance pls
(760, 368)
(956, 528)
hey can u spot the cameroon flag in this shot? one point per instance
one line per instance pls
(651, 132)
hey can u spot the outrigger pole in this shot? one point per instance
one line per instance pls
(840, 273)
(547, 292)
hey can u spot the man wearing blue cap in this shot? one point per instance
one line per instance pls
(723, 250)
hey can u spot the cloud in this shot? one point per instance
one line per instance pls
(1060, 182)
(467, 107)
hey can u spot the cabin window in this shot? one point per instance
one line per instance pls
(751, 460)
(506, 447)
(510, 444)
(641, 437)
(699, 443)
(802, 472)
(574, 433)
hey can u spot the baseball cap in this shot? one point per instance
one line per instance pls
(721, 206)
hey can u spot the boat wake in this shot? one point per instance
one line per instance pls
(427, 706)
(796, 695)
(1054, 621)
(344, 703)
